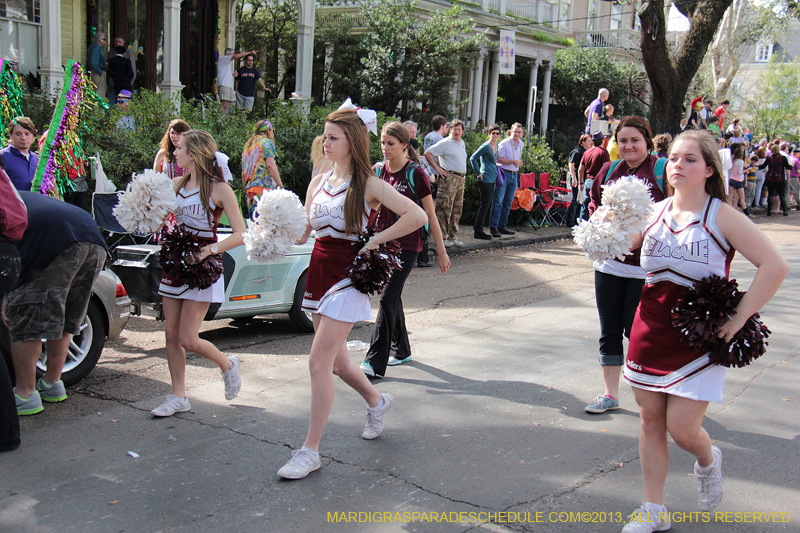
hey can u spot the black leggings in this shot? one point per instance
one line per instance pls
(617, 299)
(390, 336)
(776, 188)
(487, 189)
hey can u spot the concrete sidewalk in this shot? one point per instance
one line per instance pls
(525, 235)
(488, 418)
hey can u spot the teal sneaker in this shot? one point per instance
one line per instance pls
(394, 361)
(601, 404)
(367, 369)
(51, 393)
(31, 406)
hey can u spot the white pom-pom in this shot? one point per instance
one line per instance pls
(279, 219)
(626, 208)
(147, 201)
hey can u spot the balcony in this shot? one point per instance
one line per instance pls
(625, 39)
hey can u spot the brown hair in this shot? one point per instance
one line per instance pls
(399, 132)
(583, 139)
(715, 184)
(661, 143)
(179, 126)
(457, 122)
(437, 122)
(24, 123)
(761, 153)
(357, 137)
(635, 121)
(201, 145)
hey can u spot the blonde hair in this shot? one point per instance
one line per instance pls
(316, 151)
(357, 137)
(202, 147)
(258, 135)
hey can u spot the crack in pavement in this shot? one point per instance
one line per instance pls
(750, 382)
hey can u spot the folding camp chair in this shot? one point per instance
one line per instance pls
(554, 201)
(525, 198)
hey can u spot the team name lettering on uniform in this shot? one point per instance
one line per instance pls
(696, 251)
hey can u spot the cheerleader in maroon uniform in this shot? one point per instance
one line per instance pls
(203, 196)
(338, 203)
(692, 235)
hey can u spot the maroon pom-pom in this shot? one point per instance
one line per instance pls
(704, 308)
(179, 250)
(372, 270)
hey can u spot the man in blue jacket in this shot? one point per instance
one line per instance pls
(96, 60)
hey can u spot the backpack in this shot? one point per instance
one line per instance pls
(658, 171)
(424, 231)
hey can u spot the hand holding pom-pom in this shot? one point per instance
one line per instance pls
(708, 305)
(279, 220)
(146, 203)
(372, 269)
(180, 251)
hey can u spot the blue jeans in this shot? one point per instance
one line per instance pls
(587, 187)
(501, 201)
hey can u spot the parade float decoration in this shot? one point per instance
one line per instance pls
(11, 90)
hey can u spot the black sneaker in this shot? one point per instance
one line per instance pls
(494, 232)
(482, 236)
(423, 264)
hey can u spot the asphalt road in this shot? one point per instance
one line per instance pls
(488, 419)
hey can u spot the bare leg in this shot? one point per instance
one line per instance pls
(653, 449)
(684, 423)
(611, 380)
(56, 357)
(176, 356)
(25, 354)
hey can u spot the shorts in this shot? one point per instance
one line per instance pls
(736, 184)
(225, 93)
(55, 300)
(244, 102)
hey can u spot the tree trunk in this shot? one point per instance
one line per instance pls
(670, 78)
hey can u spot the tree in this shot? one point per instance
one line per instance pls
(671, 74)
(580, 72)
(269, 26)
(775, 105)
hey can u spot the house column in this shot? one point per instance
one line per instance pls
(477, 85)
(305, 49)
(548, 70)
(171, 84)
(491, 99)
(531, 102)
(230, 34)
(50, 52)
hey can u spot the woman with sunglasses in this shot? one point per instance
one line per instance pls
(484, 163)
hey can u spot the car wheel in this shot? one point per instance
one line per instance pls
(84, 350)
(301, 319)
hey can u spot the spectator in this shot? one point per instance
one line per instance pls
(225, 78)
(794, 176)
(661, 143)
(52, 294)
(165, 157)
(439, 125)
(751, 175)
(761, 176)
(119, 41)
(484, 163)
(451, 169)
(694, 117)
(509, 161)
(713, 125)
(591, 163)
(720, 112)
(706, 113)
(125, 121)
(573, 181)
(735, 125)
(319, 163)
(120, 74)
(259, 171)
(247, 76)
(96, 60)
(13, 221)
(20, 161)
(595, 109)
(776, 163)
(411, 126)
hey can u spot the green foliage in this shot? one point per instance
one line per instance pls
(775, 105)
(39, 107)
(580, 72)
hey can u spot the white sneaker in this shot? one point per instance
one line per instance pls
(374, 425)
(709, 488)
(300, 465)
(458, 243)
(233, 383)
(172, 405)
(448, 243)
(646, 520)
(394, 361)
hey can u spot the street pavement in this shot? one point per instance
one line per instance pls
(488, 419)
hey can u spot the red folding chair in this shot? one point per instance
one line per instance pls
(525, 198)
(555, 201)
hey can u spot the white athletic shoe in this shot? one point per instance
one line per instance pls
(709, 488)
(172, 405)
(300, 465)
(233, 383)
(374, 425)
(647, 520)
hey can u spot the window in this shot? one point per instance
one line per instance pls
(591, 20)
(763, 52)
(616, 17)
(28, 10)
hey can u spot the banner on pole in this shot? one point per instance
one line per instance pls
(508, 42)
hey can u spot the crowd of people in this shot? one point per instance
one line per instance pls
(354, 206)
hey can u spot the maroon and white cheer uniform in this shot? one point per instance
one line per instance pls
(192, 213)
(675, 257)
(329, 290)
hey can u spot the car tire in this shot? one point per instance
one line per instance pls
(300, 318)
(85, 348)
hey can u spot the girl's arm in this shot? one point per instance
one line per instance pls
(309, 196)
(756, 247)
(273, 171)
(436, 231)
(412, 217)
(223, 195)
(159, 160)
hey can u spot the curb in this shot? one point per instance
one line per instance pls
(522, 239)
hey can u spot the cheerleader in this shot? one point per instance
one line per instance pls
(338, 203)
(165, 158)
(692, 235)
(203, 196)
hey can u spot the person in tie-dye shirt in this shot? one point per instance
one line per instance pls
(259, 171)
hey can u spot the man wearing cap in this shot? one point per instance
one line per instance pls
(592, 161)
(448, 158)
